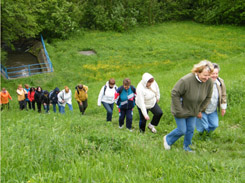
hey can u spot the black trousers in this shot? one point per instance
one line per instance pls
(33, 105)
(4, 106)
(157, 114)
(28, 103)
(22, 104)
(83, 107)
(39, 106)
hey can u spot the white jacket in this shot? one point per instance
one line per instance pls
(146, 98)
(107, 95)
(64, 96)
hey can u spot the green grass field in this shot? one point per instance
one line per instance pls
(52, 148)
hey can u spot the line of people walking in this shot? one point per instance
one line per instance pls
(196, 100)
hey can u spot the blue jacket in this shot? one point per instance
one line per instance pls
(125, 98)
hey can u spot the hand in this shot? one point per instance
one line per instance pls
(199, 115)
(223, 111)
(81, 103)
(147, 117)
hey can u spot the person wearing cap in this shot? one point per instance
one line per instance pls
(190, 96)
(65, 97)
(210, 120)
(81, 96)
(106, 97)
(21, 97)
(147, 98)
(4, 100)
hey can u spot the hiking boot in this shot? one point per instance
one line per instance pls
(165, 144)
(152, 128)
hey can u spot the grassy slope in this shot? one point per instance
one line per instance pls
(70, 148)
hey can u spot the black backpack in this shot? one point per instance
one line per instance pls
(105, 87)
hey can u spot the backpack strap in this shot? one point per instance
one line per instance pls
(104, 89)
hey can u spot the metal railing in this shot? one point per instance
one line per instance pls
(28, 70)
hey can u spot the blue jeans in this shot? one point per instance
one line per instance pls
(54, 107)
(208, 122)
(109, 109)
(62, 108)
(185, 126)
(46, 108)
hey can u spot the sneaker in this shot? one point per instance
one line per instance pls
(165, 144)
(152, 128)
(120, 127)
(130, 130)
(188, 149)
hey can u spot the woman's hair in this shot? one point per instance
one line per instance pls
(216, 66)
(150, 80)
(32, 89)
(126, 82)
(112, 81)
(203, 65)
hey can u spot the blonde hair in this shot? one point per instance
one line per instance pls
(204, 64)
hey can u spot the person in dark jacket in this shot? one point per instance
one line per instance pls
(125, 97)
(46, 101)
(53, 96)
(38, 98)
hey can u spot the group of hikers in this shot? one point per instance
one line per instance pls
(196, 98)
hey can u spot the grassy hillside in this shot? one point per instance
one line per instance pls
(73, 148)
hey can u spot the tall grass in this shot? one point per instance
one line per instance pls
(73, 148)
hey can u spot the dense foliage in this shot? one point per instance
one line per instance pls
(58, 18)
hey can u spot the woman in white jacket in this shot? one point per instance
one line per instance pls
(64, 97)
(147, 97)
(106, 97)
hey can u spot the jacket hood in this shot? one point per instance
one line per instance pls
(56, 90)
(145, 78)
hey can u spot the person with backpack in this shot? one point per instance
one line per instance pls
(106, 97)
(31, 98)
(64, 97)
(125, 99)
(46, 101)
(38, 98)
(148, 96)
(4, 100)
(53, 96)
(81, 96)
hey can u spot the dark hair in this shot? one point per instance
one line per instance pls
(80, 86)
(216, 66)
(126, 82)
(32, 89)
(112, 81)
